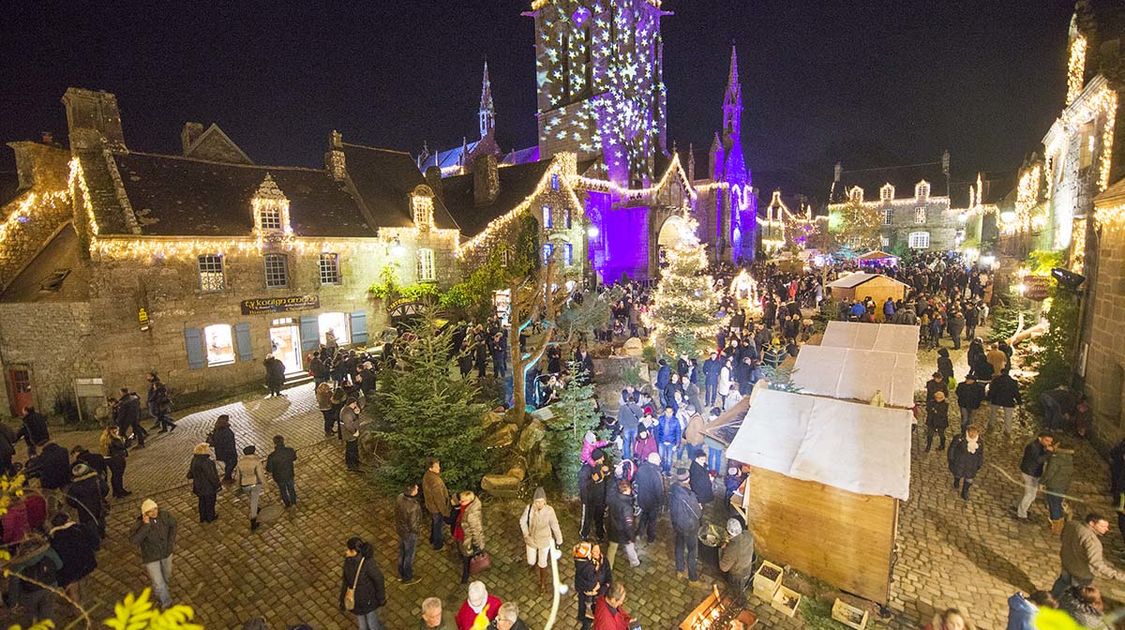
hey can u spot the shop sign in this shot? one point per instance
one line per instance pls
(280, 304)
(1035, 287)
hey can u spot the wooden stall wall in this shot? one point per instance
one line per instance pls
(843, 538)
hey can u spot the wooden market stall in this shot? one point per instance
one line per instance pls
(824, 487)
(877, 257)
(860, 285)
(883, 337)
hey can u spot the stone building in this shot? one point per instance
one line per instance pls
(913, 201)
(199, 265)
(1105, 336)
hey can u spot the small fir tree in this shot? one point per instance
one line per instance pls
(576, 413)
(425, 412)
(683, 312)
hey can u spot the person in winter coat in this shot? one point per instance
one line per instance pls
(711, 369)
(592, 482)
(668, 435)
(736, 558)
(1057, 473)
(649, 486)
(541, 533)
(629, 419)
(361, 576)
(160, 403)
(115, 451)
(51, 466)
(76, 546)
(685, 510)
(944, 367)
(127, 416)
(279, 465)
(700, 479)
(1022, 609)
(1004, 393)
(1084, 604)
(468, 530)
(251, 476)
(37, 560)
(222, 439)
(726, 377)
(970, 395)
(1081, 555)
(408, 522)
(324, 404)
(349, 425)
(275, 375)
(645, 444)
(956, 326)
(154, 532)
(966, 456)
(1034, 458)
(479, 609)
(609, 614)
(205, 484)
(86, 495)
(438, 502)
(33, 429)
(592, 577)
(937, 420)
(622, 522)
(590, 443)
(663, 378)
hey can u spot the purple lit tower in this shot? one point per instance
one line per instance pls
(736, 229)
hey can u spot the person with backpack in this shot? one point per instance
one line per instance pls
(279, 465)
(34, 572)
(541, 533)
(362, 591)
(86, 493)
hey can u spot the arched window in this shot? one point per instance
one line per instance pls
(856, 194)
(887, 192)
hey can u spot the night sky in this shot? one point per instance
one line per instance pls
(870, 83)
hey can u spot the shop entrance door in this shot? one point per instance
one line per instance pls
(285, 339)
(19, 390)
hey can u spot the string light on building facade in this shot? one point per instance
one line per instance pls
(1076, 68)
(33, 204)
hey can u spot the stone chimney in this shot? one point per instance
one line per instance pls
(433, 180)
(945, 162)
(486, 180)
(334, 156)
(93, 119)
(189, 134)
(837, 172)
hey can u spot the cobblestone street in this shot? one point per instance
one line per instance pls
(950, 553)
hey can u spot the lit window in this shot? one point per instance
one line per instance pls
(220, 344)
(548, 220)
(270, 218)
(888, 215)
(884, 241)
(329, 266)
(856, 194)
(423, 208)
(568, 218)
(919, 240)
(548, 251)
(211, 272)
(277, 271)
(920, 214)
(887, 192)
(568, 254)
(425, 265)
(922, 190)
(554, 181)
(337, 323)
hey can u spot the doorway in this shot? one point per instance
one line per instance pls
(285, 341)
(19, 390)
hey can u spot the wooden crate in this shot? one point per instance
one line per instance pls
(786, 600)
(765, 586)
(849, 615)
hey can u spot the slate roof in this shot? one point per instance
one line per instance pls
(903, 178)
(384, 179)
(9, 186)
(517, 182)
(62, 252)
(449, 157)
(175, 196)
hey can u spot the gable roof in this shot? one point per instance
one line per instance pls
(61, 254)
(860, 277)
(517, 182)
(384, 180)
(903, 178)
(176, 196)
(221, 150)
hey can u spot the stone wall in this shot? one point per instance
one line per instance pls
(1105, 360)
(53, 340)
(941, 223)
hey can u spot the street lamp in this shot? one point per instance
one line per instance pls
(592, 231)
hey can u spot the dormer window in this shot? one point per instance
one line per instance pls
(271, 209)
(422, 207)
(887, 192)
(856, 194)
(270, 218)
(922, 189)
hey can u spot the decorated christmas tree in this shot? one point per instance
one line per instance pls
(575, 413)
(683, 314)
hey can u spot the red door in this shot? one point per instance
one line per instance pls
(19, 390)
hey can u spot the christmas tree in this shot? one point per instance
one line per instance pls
(683, 312)
(576, 412)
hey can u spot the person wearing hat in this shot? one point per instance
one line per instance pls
(251, 475)
(685, 510)
(154, 533)
(736, 558)
(645, 444)
(937, 419)
(205, 483)
(541, 533)
(86, 493)
(592, 577)
(479, 609)
(222, 439)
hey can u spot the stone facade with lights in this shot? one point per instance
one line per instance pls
(1104, 376)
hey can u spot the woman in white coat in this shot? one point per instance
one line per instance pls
(541, 533)
(724, 381)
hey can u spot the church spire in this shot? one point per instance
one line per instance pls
(732, 100)
(487, 110)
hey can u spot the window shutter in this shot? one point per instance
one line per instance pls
(193, 341)
(242, 342)
(359, 328)
(310, 333)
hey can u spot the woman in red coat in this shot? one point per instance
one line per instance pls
(479, 609)
(608, 613)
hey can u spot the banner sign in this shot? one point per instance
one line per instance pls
(280, 304)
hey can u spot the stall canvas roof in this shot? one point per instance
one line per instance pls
(850, 373)
(858, 448)
(877, 255)
(860, 277)
(867, 336)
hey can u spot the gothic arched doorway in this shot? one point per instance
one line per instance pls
(674, 230)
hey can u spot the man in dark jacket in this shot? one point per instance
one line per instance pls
(970, 395)
(436, 496)
(736, 558)
(76, 546)
(51, 466)
(159, 403)
(154, 532)
(701, 479)
(86, 494)
(711, 367)
(592, 494)
(408, 522)
(205, 484)
(1035, 456)
(279, 465)
(685, 510)
(649, 485)
(663, 377)
(34, 429)
(622, 523)
(128, 416)
(1003, 392)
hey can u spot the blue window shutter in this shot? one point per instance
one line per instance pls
(310, 333)
(242, 342)
(359, 327)
(193, 341)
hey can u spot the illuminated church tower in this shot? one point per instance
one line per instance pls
(600, 83)
(737, 223)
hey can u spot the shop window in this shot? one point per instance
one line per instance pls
(329, 266)
(548, 220)
(277, 271)
(920, 214)
(219, 343)
(337, 323)
(919, 240)
(211, 273)
(426, 272)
